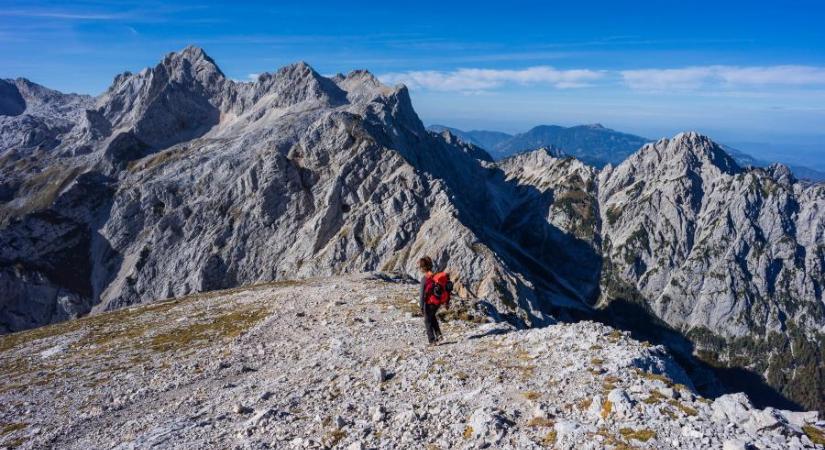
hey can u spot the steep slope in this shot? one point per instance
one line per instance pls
(194, 182)
(341, 363)
(730, 257)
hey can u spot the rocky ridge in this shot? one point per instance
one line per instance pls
(342, 363)
(178, 180)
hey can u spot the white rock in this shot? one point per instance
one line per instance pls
(734, 444)
(379, 375)
(621, 403)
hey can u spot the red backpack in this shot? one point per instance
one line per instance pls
(438, 289)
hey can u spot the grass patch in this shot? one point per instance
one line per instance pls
(614, 336)
(332, 438)
(643, 435)
(537, 422)
(585, 403)
(8, 428)
(682, 407)
(549, 439)
(669, 413)
(524, 355)
(227, 326)
(654, 397)
(531, 395)
(607, 408)
(597, 361)
(654, 377)
(816, 435)
(468, 432)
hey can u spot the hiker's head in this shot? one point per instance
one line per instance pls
(425, 264)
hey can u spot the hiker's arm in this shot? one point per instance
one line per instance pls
(421, 295)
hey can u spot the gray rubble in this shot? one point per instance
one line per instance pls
(172, 375)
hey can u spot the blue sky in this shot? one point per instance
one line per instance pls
(749, 73)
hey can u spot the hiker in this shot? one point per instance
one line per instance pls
(435, 291)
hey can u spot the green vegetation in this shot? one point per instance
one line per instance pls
(654, 397)
(41, 190)
(613, 213)
(579, 207)
(791, 360)
(156, 160)
(643, 435)
(226, 326)
(682, 407)
(8, 428)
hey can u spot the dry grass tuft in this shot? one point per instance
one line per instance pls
(531, 395)
(536, 422)
(468, 432)
(12, 427)
(549, 439)
(682, 407)
(227, 326)
(607, 408)
(643, 435)
(654, 397)
(816, 435)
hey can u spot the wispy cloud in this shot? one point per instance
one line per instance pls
(60, 14)
(474, 80)
(726, 77)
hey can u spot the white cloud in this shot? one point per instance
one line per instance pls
(737, 77)
(61, 14)
(485, 79)
(253, 76)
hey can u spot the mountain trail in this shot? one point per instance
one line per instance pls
(342, 362)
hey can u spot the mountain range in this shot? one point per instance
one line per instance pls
(179, 180)
(594, 144)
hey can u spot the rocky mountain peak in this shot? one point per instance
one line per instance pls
(704, 150)
(687, 152)
(194, 57)
(781, 173)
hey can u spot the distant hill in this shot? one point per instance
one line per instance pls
(488, 140)
(593, 144)
(801, 172)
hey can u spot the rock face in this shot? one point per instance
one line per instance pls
(206, 183)
(178, 180)
(733, 258)
(292, 365)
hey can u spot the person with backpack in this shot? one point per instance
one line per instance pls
(435, 291)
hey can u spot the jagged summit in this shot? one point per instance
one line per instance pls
(685, 152)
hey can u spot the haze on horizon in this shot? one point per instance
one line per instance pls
(749, 74)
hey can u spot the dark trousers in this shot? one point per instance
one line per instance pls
(431, 322)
